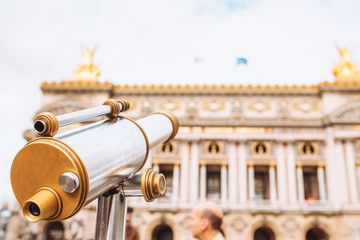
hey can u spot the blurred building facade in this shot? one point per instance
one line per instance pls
(282, 161)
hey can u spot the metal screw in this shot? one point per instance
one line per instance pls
(69, 182)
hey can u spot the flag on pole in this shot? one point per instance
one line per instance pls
(197, 60)
(241, 61)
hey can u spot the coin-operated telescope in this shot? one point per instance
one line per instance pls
(54, 176)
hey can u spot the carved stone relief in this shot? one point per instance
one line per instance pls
(283, 107)
(147, 107)
(237, 109)
(306, 106)
(259, 106)
(239, 224)
(213, 106)
(170, 105)
(191, 109)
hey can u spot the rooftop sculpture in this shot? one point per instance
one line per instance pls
(345, 69)
(87, 71)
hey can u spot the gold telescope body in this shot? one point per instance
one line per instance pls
(54, 177)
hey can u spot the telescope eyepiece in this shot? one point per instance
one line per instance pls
(34, 209)
(44, 204)
(39, 126)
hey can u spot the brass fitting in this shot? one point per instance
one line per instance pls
(44, 204)
(153, 184)
(46, 124)
(115, 108)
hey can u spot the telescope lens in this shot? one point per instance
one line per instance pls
(34, 209)
(39, 126)
(162, 184)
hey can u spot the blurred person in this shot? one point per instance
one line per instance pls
(131, 233)
(205, 221)
(129, 212)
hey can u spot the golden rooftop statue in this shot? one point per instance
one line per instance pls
(87, 71)
(345, 69)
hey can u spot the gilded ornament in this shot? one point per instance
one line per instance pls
(87, 71)
(345, 70)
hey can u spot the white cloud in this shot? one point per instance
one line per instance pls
(155, 42)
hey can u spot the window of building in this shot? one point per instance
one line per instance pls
(213, 182)
(167, 171)
(316, 234)
(311, 186)
(162, 232)
(167, 148)
(260, 148)
(308, 148)
(262, 186)
(264, 233)
(214, 147)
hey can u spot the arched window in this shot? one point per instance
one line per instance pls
(308, 148)
(213, 147)
(167, 148)
(260, 148)
(264, 233)
(54, 231)
(162, 232)
(316, 234)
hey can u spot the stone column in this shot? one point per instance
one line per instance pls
(350, 160)
(243, 183)
(194, 172)
(341, 182)
(251, 174)
(184, 177)
(224, 183)
(202, 181)
(300, 182)
(232, 173)
(358, 175)
(281, 173)
(291, 170)
(321, 181)
(331, 170)
(176, 182)
(272, 182)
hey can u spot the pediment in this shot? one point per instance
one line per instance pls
(349, 113)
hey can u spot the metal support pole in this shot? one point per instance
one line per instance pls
(111, 217)
(102, 216)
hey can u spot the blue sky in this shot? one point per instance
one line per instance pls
(155, 42)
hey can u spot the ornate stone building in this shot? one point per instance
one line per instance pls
(282, 161)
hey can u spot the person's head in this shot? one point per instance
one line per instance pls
(128, 215)
(206, 219)
(131, 233)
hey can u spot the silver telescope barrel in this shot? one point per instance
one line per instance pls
(54, 177)
(47, 124)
